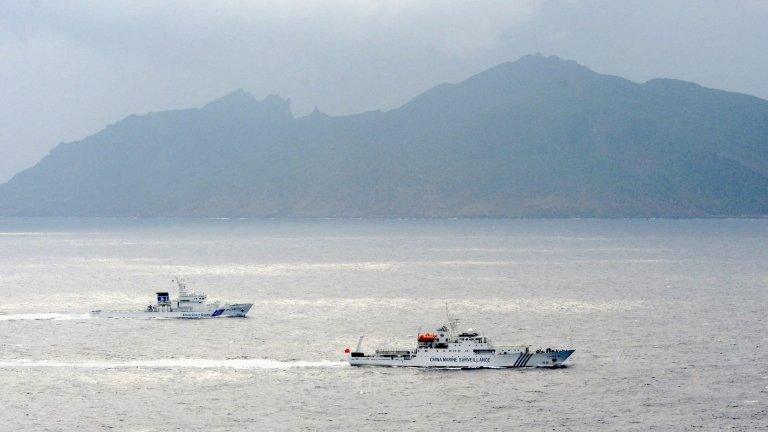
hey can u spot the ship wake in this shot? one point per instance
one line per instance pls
(172, 364)
(44, 316)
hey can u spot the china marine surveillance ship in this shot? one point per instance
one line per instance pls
(449, 348)
(187, 305)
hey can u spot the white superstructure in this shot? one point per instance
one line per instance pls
(187, 305)
(449, 348)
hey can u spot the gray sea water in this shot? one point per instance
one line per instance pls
(668, 319)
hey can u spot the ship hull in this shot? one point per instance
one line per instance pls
(231, 311)
(551, 359)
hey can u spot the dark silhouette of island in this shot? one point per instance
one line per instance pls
(539, 137)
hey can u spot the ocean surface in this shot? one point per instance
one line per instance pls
(668, 319)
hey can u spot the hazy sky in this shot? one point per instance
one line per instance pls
(69, 67)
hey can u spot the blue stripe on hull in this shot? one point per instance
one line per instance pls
(522, 360)
(525, 362)
(518, 360)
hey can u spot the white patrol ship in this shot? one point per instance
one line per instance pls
(448, 348)
(187, 305)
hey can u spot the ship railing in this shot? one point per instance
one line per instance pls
(394, 352)
(512, 347)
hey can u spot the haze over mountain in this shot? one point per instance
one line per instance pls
(539, 137)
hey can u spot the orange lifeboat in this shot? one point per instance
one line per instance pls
(427, 337)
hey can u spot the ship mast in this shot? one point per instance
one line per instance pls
(181, 286)
(453, 322)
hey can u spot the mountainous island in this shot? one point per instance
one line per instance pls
(538, 137)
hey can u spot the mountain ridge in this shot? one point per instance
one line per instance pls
(538, 137)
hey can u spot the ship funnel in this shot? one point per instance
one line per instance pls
(163, 297)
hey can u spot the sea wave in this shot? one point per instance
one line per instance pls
(534, 304)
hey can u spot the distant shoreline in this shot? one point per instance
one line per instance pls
(390, 218)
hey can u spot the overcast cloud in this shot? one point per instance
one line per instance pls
(70, 67)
